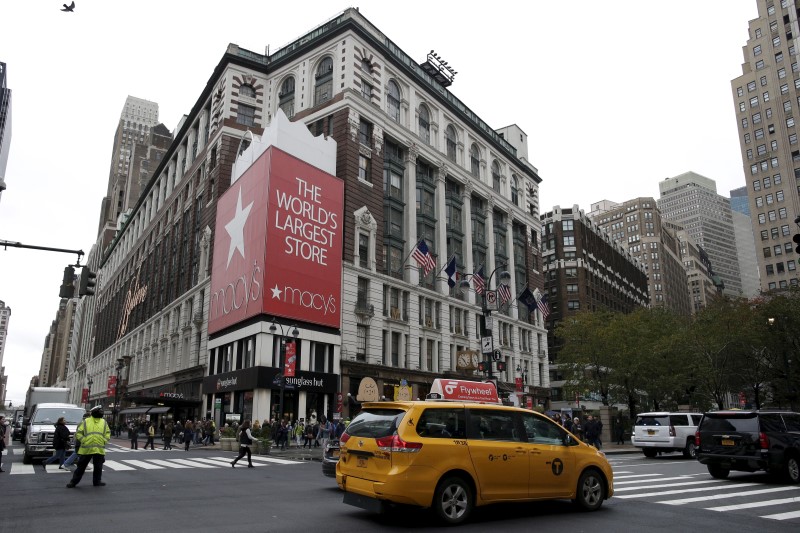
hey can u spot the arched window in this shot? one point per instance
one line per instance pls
(247, 91)
(286, 97)
(514, 189)
(450, 136)
(393, 101)
(323, 88)
(496, 176)
(424, 124)
(475, 161)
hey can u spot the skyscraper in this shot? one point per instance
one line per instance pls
(691, 200)
(5, 126)
(139, 144)
(765, 97)
(5, 317)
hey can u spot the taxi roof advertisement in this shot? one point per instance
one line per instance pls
(278, 244)
(466, 391)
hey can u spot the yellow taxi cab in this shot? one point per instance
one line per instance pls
(462, 448)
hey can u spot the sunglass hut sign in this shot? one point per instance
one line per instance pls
(278, 244)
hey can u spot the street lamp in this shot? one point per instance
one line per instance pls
(120, 366)
(89, 391)
(504, 278)
(282, 363)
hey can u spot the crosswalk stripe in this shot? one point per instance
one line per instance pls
(783, 516)
(115, 465)
(18, 469)
(685, 478)
(55, 470)
(727, 496)
(189, 462)
(218, 462)
(751, 505)
(669, 492)
(168, 464)
(661, 486)
(144, 464)
(275, 460)
(617, 476)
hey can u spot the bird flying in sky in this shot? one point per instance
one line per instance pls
(69, 8)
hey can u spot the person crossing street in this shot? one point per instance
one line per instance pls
(93, 434)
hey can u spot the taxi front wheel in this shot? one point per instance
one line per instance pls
(453, 500)
(591, 491)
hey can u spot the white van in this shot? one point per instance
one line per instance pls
(41, 428)
(666, 432)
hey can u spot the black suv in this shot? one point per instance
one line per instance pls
(750, 441)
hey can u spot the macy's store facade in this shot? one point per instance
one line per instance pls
(274, 309)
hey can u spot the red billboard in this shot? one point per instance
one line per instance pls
(112, 385)
(278, 244)
(290, 361)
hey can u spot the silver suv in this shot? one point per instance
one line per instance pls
(666, 432)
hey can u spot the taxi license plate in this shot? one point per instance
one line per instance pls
(728, 442)
(361, 462)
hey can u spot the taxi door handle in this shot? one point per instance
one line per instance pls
(534, 451)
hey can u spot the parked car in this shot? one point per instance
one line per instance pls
(16, 430)
(464, 450)
(659, 432)
(750, 441)
(330, 456)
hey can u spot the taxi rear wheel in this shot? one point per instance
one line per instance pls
(453, 501)
(591, 490)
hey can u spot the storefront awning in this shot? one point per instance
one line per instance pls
(134, 411)
(158, 410)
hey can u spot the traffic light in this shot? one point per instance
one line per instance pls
(68, 284)
(796, 240)
(88, 281)
(483, 366)
(501, 366)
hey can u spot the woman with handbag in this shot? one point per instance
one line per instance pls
(245, 441)
(60, 443)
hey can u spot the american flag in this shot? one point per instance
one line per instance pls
(543, 307)
(423, 257)
(504, 292)
(478, 281)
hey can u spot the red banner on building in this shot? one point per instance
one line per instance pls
(85, 396)
(530, 402)
(518, 382)
(278, 244)
(290, 361)
(112, 385)
(339, 402)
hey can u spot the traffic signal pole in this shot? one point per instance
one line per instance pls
(67, 289)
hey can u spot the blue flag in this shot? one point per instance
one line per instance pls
(450, 270)
(527, 297)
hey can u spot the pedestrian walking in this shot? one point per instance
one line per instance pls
(60, 444)
(245, 441)
(151, 433)
(71, 459)
(619, 431)
(3, 432)
(168, 436)
(299, 431)
(133, 435)
(93, 434)
(188, 434)
(577, 428)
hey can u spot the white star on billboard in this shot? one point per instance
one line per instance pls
(235, 228)
(276, 292)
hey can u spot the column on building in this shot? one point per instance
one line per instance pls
(412, 269)
(466, 213)
(512, 309)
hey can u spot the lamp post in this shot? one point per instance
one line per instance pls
(120, 366)
(282, 363)
(89, 391)
(487, 328)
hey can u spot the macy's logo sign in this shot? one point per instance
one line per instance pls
(307, 299)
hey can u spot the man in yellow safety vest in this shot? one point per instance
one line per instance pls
(93, 434)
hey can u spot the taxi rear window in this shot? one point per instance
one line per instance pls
(375, 423)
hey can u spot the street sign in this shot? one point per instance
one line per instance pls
(497, 355)
(491, 300)
(486, 345)
(487, 320)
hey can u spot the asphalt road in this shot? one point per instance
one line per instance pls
(179, 491)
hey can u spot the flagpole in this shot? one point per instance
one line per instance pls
(445, 265)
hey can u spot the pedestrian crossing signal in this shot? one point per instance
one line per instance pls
(483, 366)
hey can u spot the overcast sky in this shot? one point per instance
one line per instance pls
(614, 95)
